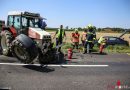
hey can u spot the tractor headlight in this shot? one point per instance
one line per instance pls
(46, 38)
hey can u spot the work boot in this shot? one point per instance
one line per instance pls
(100, 53)
(84, 51)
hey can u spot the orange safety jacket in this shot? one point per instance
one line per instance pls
(75, 37)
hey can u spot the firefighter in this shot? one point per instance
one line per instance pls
(83, 37)
(75, 39)
(94, 33)
(60, 34)
(102, 42)
(90, 38)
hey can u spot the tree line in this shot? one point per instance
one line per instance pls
(107, 29)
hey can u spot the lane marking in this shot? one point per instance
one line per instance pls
(57, 65)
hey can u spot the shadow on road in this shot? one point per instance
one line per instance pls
(39, 68)
(96, 53)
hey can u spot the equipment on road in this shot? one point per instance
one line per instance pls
(24, 39)
(70, 53)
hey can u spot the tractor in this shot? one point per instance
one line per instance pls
(2, 23)
(23, 38)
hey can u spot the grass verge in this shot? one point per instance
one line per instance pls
(108, 49)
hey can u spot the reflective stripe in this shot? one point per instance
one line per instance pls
(89, 33)
(89, 41)
(94, 38)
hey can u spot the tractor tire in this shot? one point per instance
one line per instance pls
(24, 49)
(6, 40)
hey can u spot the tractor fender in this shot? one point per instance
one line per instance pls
(28, 42)
(11, 29)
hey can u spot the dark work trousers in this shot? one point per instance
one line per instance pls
(58, 42)
(83, 42)
(90, 45)
(76, 44)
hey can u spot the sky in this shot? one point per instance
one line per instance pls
(74, 13)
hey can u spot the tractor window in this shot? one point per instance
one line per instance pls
(24, 21)
(36, 23)
(10, 20)
(29, 22)
(17, 22)
(32, 23)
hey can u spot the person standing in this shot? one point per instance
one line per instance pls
(75, 39)
(83, 37)
(42, 24)
(60, 34)
(102, 42)
(90, 38)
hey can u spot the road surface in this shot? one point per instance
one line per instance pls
(80, 73)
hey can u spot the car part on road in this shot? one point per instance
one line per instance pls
(50, 55)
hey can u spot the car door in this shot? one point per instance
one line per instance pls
(121, 41)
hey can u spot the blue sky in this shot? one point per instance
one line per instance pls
(74, 13)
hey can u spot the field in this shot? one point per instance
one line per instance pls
(68, 33)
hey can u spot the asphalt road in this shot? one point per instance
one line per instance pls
(33, 77)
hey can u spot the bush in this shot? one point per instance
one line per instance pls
(66, 46)
(118, 48)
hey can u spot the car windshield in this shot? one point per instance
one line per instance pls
(112, 38)
(29, 22)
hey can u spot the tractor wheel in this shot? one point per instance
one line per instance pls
(24, 53)
(6, 39)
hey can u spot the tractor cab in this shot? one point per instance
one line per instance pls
(21, 21)
(27, 23)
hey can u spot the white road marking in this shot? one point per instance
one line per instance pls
(57, 65)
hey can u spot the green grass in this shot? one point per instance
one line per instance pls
(108, 49)
(66, 46)
(118, 49)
